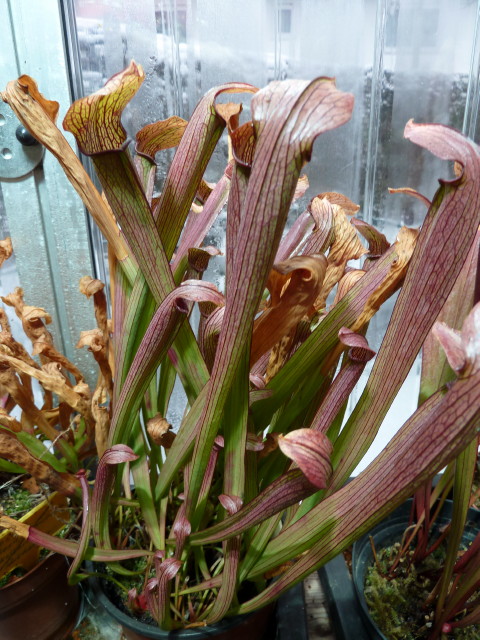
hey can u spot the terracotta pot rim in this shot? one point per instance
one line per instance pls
(39, 577)
(40, 604)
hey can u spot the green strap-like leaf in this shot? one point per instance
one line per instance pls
(233, 485)
(462, 489)
(86, 526)
(435, 369)
(104, 482)
(447, 235)
(143, 489)
(96, 123)
(288, 489)
(287, 118)
(153, 349)
(186, 171)
(434, 435)
(138, 312)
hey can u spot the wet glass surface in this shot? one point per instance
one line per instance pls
(401, 59)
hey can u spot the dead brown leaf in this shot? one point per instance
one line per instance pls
(293, 285)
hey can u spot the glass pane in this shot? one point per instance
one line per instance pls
(401, 59)
(429, 50)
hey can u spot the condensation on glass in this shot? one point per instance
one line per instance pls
(401, 59)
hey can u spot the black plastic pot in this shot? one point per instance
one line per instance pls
(384, 535)
(348, 608)
(342, 603)
(286, 621)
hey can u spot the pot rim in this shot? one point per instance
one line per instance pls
(51, 558)
(154, 632)
(391, 525)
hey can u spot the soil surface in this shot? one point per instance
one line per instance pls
(397, 604)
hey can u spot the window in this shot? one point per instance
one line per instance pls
(172, 22)
(391, 26)
(285, 20)
(429, 27)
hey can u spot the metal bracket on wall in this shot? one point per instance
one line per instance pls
(41, 211)
(20, 152)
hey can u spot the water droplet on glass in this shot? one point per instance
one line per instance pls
(6, 153)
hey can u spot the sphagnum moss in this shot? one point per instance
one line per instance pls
(395, 603)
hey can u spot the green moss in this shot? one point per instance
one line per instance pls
(17, 502)
(12, 576)
(136, 579)
(397, 605)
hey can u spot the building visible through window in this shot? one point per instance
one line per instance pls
(285, 20)
(172, 23)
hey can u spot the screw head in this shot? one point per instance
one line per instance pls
(25, 137)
